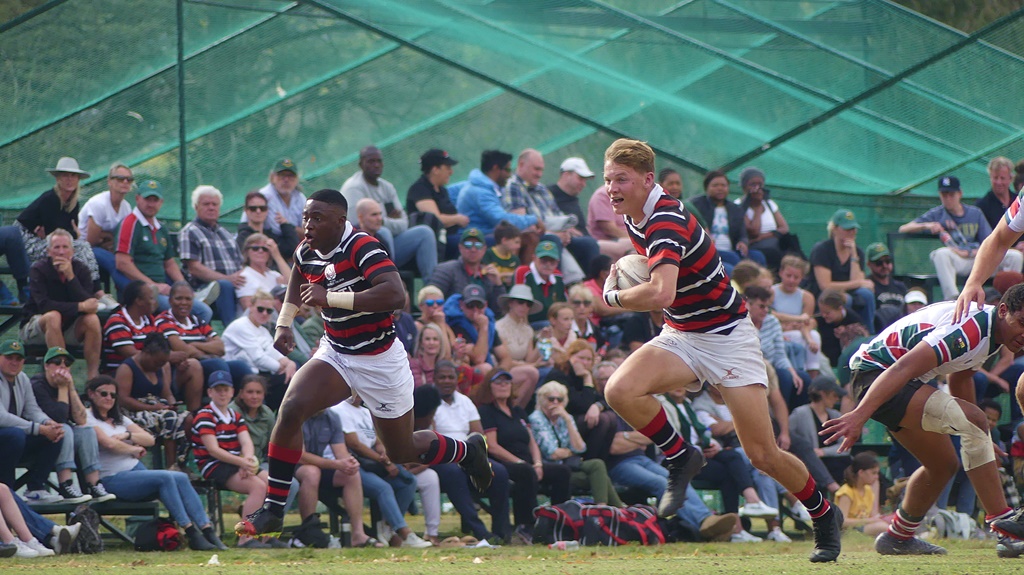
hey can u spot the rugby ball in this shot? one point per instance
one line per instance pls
(632, 271)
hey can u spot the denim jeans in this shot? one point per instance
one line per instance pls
(392, 494)
(80, 441)
(731, 258)
(40, 526)
(12, 246)
(416, 242)
(171, 487)
(108, 263)
(227, 303)
(36, 451)
(643, 472)
(694, 511)
(236, 367)
(862, 301)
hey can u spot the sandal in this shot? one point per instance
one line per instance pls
(370, 542)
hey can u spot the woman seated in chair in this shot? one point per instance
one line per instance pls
(560, 442)
(122, 443)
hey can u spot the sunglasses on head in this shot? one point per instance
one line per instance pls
(66, 362)
(256, 208)
(433, 302)
(112, 394)
(554, 399)
(259, 248)
(262, 309)
(473, 245)
(123, 178)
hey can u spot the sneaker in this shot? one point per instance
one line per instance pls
(1008, 548)
(384, 531)
(522, 535)
(828, 531)
(1012, 527)
(800, 512)
(717, 527)
(680, 471)
(560, 223)
(208, 293)
(24, 551)
(41, 497)
(744, 537)
(210, 534)
(778, 536)
(263, 521)
(254, 543)
(62, 537)
(7, 549)
(275, 543)
(476, 464)
(415, 542)
(886, 544)
(758, 509)
(71, 494)
(107, 303)
(39, 548)
(100, 494)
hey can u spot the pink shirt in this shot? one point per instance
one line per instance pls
(599, 209)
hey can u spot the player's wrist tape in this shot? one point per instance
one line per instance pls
(287, 315)
(343, 300)
(612, 298)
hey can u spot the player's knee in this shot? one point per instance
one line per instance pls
(615, 393)
(767, 460)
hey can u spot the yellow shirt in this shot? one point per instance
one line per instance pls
(861, 501)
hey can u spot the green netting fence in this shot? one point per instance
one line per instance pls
(855, 103)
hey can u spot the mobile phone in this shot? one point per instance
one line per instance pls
(389, 207)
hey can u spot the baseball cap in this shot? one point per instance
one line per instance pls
(877, 251)
(472, 234)
(12, 347)
(501, 373)
(150, 189)
(949, 184)
(547, 249)
(435, 157)
(473, 292)
(845, 219)
(825, 384)
(577, 165)
(286, 165)
(219, 377)
(915, 296)
(57, 352)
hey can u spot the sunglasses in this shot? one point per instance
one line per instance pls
(475, 305)
(883, 262)
(580, 302)
(256, 208)
(554, 399)
(259, 248)
(433, 302)
(123, 178)
(473, 245)
(112, 394)
(262, 309)
(65, 362)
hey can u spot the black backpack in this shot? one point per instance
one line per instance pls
(88, 540)
(158, 535)
(607, 525)
(562, 522)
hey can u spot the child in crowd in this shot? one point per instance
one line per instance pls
(224, 451)
(837, 325)
(794, 308)
(259, 419)
(858, 497)
(505, 253)
(915, 300)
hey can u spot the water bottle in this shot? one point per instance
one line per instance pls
(565, 545)
(544, 347)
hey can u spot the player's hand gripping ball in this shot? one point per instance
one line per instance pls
(632, 271)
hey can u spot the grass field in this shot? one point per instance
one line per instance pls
(965, 557)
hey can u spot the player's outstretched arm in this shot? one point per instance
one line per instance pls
(989, 256)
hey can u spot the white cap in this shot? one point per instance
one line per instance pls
(915, 296)
(577, 165)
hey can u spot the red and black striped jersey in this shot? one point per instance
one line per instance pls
(669, 234)
(350, 266)
(190, 331)
(208, 422)
(121, 330)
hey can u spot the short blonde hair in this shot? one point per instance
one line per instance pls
(551, 388)
(427, 291)
(631, 153)
(795, 262)
(580, 291)
(249, 241)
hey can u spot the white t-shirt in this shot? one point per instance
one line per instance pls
(357, 420)
(767, 216)
(720, 229)
(453, 420)
(254, 280)
(111, 463)
(99, 209)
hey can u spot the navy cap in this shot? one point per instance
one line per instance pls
(219, 377)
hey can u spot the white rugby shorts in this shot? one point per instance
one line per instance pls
(732, 360)
(384, 381)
